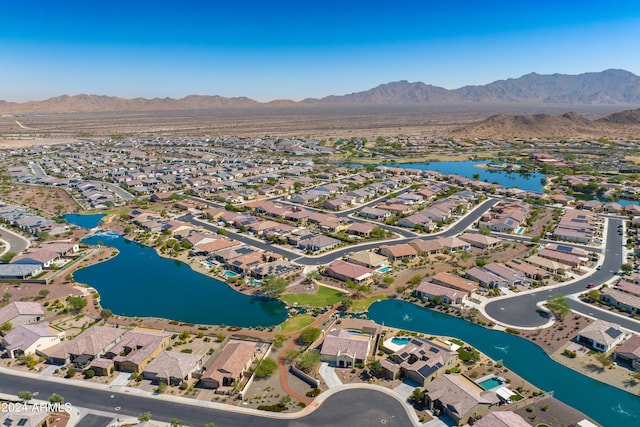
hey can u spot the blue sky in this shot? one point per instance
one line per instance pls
(269, 50)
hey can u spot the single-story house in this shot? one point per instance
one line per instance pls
(21, 313)
(398, 252)
(368, 259)
(172, 367)
(343, 270)
(137, 348)
(81, 350)
(455, 282)
(344, 349)
(628, 353)
(229, 366)
(602, 336)
(459, 398)
(430, 291)
(27, 339)
(480, 241)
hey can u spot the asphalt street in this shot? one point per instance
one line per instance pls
(455, 229)
(521, 310)
(17, 244)
(352, 407)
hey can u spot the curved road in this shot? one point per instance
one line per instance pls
(17, 243)
(455, 229)
(521, 310)
(350, 407)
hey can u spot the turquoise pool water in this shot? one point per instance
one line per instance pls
(400, 341)
(520, 230)
(384, 269)
(491, 383)
(230, 274)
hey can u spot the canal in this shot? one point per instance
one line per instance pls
(605, 404)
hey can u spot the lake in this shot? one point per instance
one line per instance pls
(140, 283)
(605, 404)
(88, 221)
(524, 180)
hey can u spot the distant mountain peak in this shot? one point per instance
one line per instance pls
(608, 87)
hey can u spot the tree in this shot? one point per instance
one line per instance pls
(266, 368)
(604, 360)
(145, 416)
(6, 327)
(346, 302)
(162, 387)
(309, 335)
(626, 268)
(175, 422)
(593, 295)
(559, 305)
(105, 313)
(313, 275)
(415, 280)
(6, 297)
(308, 361)
(89, 373)
(375, 368)
(43, 293)
(278, 340)
(418, 395)
(56, 398)
(484, 230)
(273, 286)
(7, 257)
(76, 303)
(25, 396)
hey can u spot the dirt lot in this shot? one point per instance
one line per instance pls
(52, 201)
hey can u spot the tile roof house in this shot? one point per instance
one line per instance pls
(229, 366)
(368, 259)
(502, 419)
(21, 313)
(628, 353)
(27, 339)
(398, 252)
(91, 344)
(344, 349)
(455, 282)
(480, 241)
(172, 367)
(620, 299)
(136, 349)
(459, 398)
(430, 291)
(601, 335)
(422, 360)
(343, 270)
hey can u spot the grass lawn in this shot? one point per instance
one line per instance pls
(363, 304)
(324, 296)
(296, 323)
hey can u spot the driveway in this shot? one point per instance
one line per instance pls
(329, 375)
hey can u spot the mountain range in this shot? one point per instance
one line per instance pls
(606, 88)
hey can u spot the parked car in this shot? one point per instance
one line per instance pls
(591, 285)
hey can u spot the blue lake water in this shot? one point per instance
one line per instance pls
(139, 282)
(605, 404)
(523, 180)
(88, 221)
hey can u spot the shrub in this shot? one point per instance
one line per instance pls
(313, 393)
(570, 354)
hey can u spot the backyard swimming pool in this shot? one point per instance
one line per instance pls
(401, 340)
(490, 383)
(230, 274)
(384, 269)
